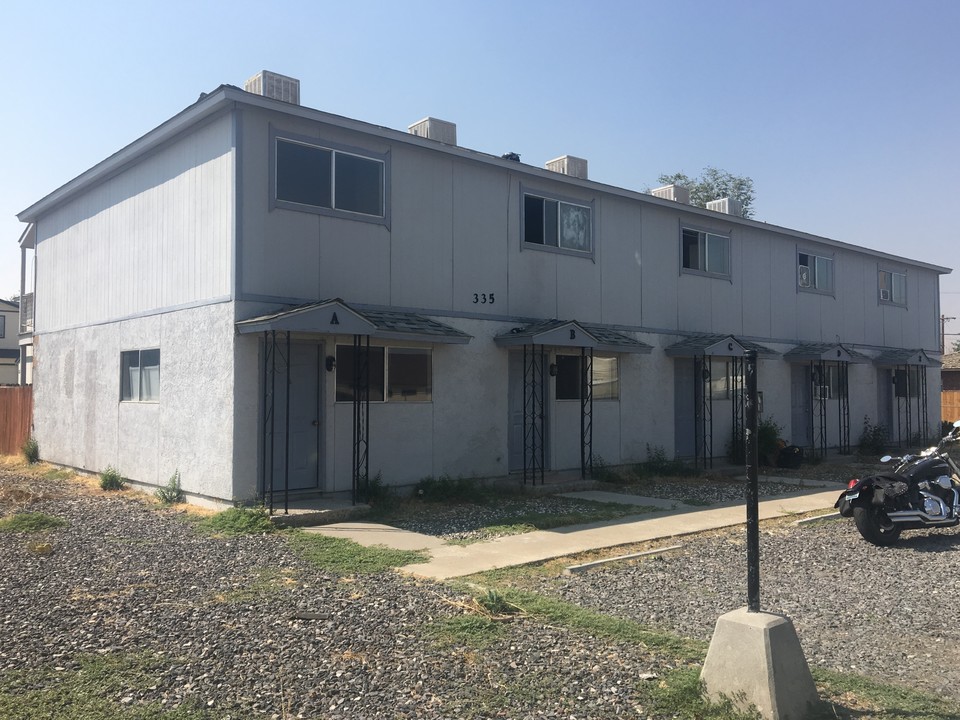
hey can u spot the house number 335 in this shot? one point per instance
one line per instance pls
(483, 298)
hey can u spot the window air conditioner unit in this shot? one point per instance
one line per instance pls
(821, 392)
(884, 294)
(804, 274)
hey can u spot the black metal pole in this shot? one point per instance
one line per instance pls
(753, 511)
(286, 447)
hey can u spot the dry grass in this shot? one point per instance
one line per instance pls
(23, 484)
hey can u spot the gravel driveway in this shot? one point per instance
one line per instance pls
(248, 629)
(889, 613)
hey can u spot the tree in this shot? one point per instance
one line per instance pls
(955, 347)
(713, 184)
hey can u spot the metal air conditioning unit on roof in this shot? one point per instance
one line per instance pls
(568, 165)
(726, 205)
(433, 129)
(274, 85)
(677, 193)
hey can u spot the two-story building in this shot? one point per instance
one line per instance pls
(278, 297)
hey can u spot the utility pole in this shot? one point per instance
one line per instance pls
(943, 332)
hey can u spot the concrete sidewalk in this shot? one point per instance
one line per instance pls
(449, 561)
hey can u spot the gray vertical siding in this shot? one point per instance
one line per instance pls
(157, 235)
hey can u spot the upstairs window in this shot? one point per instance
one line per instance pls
(893, 287)
(705, 252)
(140, 375)
(328, 179)
(3, 326)
(814, 272)
(557, 224)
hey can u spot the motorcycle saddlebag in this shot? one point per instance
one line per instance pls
(790, 457)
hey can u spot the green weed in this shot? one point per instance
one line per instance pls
(171, 493)
(475, 631)
(450, 489)
(31, 450)
(91, 691)
(30, 522)
(346, 557)
(237, 521)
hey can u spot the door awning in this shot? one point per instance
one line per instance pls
(570, 333)
(715, 346)
(335, 317)
(829, 352)
(889, 358)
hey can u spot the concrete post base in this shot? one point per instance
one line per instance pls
(755, 659)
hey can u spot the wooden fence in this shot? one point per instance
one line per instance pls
(950, 405)
(16, 417)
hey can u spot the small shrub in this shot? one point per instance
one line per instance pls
(448, 489)
(31, 450)
(603, 472)
(873, 439)
(171, 493)
(238, 521)
(657, 465)
(377, 489)
(768, 440)
(111, 479)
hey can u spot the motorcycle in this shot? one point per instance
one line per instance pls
(923, 491)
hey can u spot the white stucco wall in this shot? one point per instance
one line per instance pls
(81, 422)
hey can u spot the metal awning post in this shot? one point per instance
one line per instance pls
(586, 413)
(286, 440)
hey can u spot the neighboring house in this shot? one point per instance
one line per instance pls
(9, 350)
(280, 299)
(950, 382)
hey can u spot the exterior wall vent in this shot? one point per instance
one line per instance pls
(274, 85)
(726, 205)
(677, 193)
(433, 129)
(568, 165)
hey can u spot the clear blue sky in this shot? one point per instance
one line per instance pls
(845, 113)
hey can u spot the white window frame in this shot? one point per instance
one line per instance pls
(335, 149)
(3, 325)
(706, 238)
(820, 274)
(562, 202)
(141, 376)
(890, 295)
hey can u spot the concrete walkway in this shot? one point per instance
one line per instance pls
(450, 561)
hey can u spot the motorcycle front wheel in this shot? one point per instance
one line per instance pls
(875, 526)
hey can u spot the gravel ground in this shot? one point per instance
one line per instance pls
(467, 521)
(246, 628)
(889, 613)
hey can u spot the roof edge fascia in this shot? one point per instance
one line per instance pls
(226, 94)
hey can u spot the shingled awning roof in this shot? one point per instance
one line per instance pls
(716, 346)
(570, 333)
(335, 317)
(824, 351)
(899, 356)
(951, 361)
